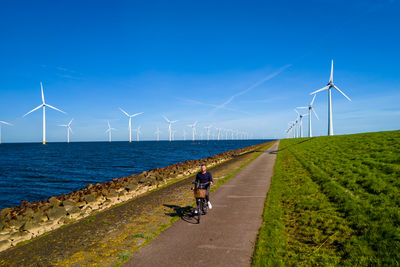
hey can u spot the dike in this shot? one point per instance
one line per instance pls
(32, 219)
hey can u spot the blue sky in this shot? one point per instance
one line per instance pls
(233, 64)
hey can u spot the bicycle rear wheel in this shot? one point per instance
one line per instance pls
(204, 206)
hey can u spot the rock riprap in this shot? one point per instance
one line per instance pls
(31, 219)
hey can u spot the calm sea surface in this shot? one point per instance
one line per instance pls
(35, 172)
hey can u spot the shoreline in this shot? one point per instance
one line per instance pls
(32, 219)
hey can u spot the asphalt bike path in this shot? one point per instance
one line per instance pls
(227, 234)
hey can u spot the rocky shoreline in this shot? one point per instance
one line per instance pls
(31, 219)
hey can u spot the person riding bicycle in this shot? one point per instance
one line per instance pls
(205, 177)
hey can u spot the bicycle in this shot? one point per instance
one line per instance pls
(201, 204)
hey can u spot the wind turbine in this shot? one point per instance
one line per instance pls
(109, 131)
(158, 134)
(219, 132)
(301, 121)
(169, 127)
(138, 132)
(310, 107)
(130, 122)
(208, 131)
(329, 87)
(173, 135)
(193, 126)
(5, 123)
(296, 128)
(44, 105)
(184, 135)
(68, 126)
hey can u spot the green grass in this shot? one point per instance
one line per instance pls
(333, 201)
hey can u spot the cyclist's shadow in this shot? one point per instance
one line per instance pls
(185, 213)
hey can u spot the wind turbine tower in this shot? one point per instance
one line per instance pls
(158, 134)
(138, 132)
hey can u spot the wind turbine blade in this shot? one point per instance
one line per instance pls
(174, 121)
(41, 87)
(69, 128)
(63, 125)
(123, 111)
(55, 108)
(297, 112)
(312, 101)
(315, 114)
(165, 118)
(136, 114)
(33, 110)
(331, 78)
(319, 90)
(70, 122)
(301, 107)
(108, 122)
(6, 123)
(342, 92)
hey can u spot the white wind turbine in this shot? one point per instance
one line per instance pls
(329, 87)
(296, 128)
(169, 127)
(44, 105)
(68, 126)
(173, 135)
(310, 107)
(219, 133)
(138, 132)
(208, 131)
(300, 121)
(130, 121)
(109, 131)
(158, 134)
(5, 123)
(184, 135)
(193, 126)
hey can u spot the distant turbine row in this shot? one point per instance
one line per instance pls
(296, 127)
(138, 130)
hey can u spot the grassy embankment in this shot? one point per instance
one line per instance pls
(333, 201)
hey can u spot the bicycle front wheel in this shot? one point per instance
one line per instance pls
(199, 209)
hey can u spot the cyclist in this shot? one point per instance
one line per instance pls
(204, 177)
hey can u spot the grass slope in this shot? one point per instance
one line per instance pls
(333, 201)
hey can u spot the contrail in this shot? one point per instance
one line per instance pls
(268, 77)
(230, 99)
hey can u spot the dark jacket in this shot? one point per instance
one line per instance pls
(204, 178)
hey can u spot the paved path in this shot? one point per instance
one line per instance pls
(227, 234)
